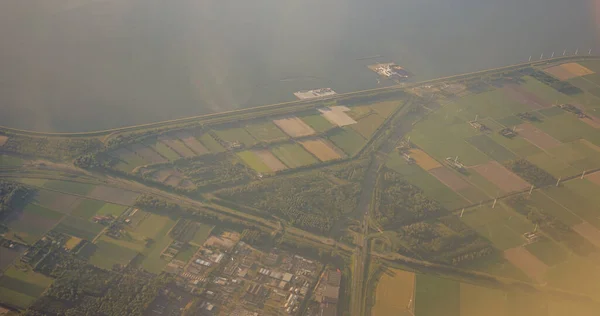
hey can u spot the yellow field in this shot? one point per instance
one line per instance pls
(394, 293)
(71, 243)
(424, 160)
(577, 69)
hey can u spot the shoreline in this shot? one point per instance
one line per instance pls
(289, 103)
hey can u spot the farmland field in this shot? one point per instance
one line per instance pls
(491, 148)
(201, 234)
(236, 135)
(191, 142)
(148, 154)
(424, 160)
(87, 208)
(266, 132)
(366, 126)
(270, 160)
(293, 155)
(524, 260)
(21, 288)
(385, 109)
(254, 161)
(32, 222)
(337, 115)
(294, 127)
(10, 161)
(187, 253)
(547, 251)
(500, 225)
(69, 186)
(111, 209)
(63, 203)
(179, 147)
(348, 140)
(114, 195)
(477, 301)
(211, 144)
(394, 293)
(501, 177)
(322, 149)
(79, 228)
(436, 190)
(435, 296)
(165, 151)
(108, 254)
(317, 122)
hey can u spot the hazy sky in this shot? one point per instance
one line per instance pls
(70, 65)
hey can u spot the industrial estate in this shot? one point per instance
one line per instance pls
(471, 195)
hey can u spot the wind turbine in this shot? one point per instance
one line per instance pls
(565, 52)
(577, 51)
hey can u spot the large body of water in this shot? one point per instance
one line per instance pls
(79, 65)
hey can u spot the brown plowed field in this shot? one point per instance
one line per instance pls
(177, 146)
(589, 232)
(503, 178)
(591, 121)
(523, 96)
(148, 154)
(449, 178)
(424, 160)
(537, 136)
(192, 143)
(526, 262)
(594, 177)
(114, 195)
(270, 160)
(65, 203)
(321, 149)
(294, 127)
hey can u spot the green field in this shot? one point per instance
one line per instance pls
(544, 202)
(547, 251)
(518, 145)
(385, 109)
(266, 132)
(576, 202)
(435, 296)
(496, 104)
(567, 127)
(317, 122)
(10, 161)
(69, 187)
(348, 140)
(478, 301)
(293, 155)
(436, 190)
(33, 223)
(444, 136)
(152, 260)
(201, 234)
(366, 126)
(20, 288)
(491, 148)
(111, 209)
(79, 228)
(237, 134)
(211, 144)
(501, 225)
(108, 254)
(254, 161)
(552, 165)
(87, 208)
(165, 151)
(187, 253)
(153, 225)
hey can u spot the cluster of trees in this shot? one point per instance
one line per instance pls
(11, 195)
(254, 237)
(560, 86)
(92, 291)
(213, 170)
(153, 203)
(550, 224)
(399, 203)
(434, 241)
(309, 201)
(55, 148)
(531, 173)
